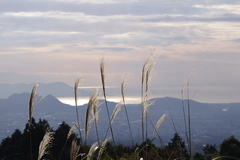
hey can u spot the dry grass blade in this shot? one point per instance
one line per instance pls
(102, 70)
(45, 144)
(95, 110)
(70, 132)
(159, 122)
(32, 103)
(115, 111)
(185, 85)
(87, 121)
(91, 150)
(91, 108)
(74, 150)
(76, 86)
(186, 82)
(146, 66)
(94, 103)
(145, 70)
(123, 86)
(148, 73)
(102, 148)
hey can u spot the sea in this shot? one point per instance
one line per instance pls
(84, 100)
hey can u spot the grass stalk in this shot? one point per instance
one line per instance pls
(102, 70)
(115, 112)
(76, 86)
(95, 111)
(102, 148)
(74, 150)
(185, 86)
(145, 70)
(45, 144)
(31, 105)
(93, 148)
(123, 86)
(70, 132)
(88, 121)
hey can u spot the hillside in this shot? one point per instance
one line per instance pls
(210, 123)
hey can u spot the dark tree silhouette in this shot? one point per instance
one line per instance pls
(177, 147)
(209, 149)
(230, 147)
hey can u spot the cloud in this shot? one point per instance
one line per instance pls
(54, 39)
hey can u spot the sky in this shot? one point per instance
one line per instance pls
(52, 40)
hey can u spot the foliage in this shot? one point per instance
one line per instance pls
(177, 147)
(209, 149)
(230, 147)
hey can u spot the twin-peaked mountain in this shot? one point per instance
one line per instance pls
(57, 89)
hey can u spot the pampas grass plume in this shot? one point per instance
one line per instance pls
(45, 144)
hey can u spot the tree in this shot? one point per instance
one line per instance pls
(61, 142)
(17, 146)
(209, 149)
(230, 147)
(177, 147)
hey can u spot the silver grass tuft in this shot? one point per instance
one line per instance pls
(91, 108)
(74, 150)
(76, 86)
(93, 148)
(102, 148)
(159, 122)
(32, 103)
(45, 144)
(115, 111)
(102, 70)
(123, 86)
(70, 132)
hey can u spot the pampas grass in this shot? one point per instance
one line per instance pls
(185, 86)
(32, 103)
(95, 112)
(76, 86)
(70, 132)
(159, 122)
(146, 70)
(45, 144)
(93, 148)
(92, 108)
(123, 86)
(102, 70)
(91, 115)
(102, 148)
(115, 111)
(74, 150)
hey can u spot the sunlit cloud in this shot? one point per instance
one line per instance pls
(221, 8)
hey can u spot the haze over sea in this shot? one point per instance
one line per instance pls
(84, 100)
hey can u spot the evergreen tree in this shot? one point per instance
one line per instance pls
(61, 142)
(177, 147)
(230, 147)
(209, 149)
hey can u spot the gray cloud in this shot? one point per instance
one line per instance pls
(51, 40)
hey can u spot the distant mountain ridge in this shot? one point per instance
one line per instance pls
(210, 123)
(57, 89)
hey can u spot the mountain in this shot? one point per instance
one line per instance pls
(210, 123)
(57, 89)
